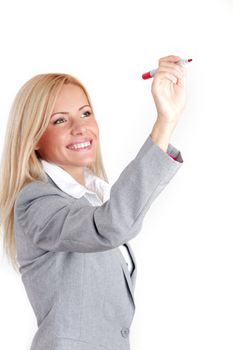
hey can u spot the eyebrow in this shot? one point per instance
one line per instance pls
(68, 112)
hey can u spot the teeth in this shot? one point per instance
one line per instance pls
(80, 145)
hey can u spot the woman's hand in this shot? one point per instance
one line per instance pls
(168, 90)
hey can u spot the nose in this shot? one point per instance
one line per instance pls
(78, 128)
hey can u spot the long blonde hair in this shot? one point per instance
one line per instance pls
(28, 119)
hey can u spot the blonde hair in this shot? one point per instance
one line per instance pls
(28, 119)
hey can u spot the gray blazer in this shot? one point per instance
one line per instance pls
(74, 273)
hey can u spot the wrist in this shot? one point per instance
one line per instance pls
(161, 134)
(165, 125)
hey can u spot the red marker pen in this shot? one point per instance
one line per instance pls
(151, 73)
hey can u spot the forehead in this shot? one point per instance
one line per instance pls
(71, 95)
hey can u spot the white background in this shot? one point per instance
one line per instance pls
(184, 289)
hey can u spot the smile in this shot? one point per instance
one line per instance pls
(85, 146)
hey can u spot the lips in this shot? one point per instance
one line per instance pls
(79, 141)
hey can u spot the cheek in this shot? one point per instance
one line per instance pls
(48, 139)
(95, 128)
(45, 140)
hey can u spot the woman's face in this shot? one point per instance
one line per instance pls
(72, 122)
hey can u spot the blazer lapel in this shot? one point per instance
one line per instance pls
(130, 278)
(134, 271)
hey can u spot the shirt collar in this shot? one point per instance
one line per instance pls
(94, 185)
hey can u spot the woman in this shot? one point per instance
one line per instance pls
(70, 230)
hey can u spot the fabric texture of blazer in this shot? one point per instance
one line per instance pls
(73, 271)
(96, 191)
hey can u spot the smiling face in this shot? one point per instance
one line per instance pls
(72, 122)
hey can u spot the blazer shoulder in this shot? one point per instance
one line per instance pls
(38, 189)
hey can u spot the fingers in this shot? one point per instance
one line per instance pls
(174, 69)
(170, 58)
(169, 76)
(169, 64)
(168, 68)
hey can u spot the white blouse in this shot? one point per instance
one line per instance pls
(96, 191)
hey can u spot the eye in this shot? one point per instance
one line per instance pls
(89, 113)
(57, 120)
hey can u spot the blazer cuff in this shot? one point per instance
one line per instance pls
(174, 153)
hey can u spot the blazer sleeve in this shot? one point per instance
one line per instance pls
(56, 223)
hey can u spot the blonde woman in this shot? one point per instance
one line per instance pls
(65, 228)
